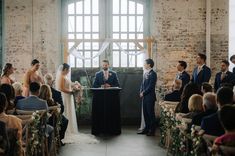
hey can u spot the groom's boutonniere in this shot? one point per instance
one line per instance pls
(110, 74)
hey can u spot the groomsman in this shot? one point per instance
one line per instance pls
(224, 76)
(106, 77)
(147, 93)
(201, 73)
(182, 74)
(232, 59)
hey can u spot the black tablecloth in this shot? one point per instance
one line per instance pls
(106, 111)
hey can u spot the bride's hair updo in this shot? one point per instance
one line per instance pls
(65, 66)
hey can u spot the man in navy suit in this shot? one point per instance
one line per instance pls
(224, 77)
(211, 124)
(106, 77)
(147, 93)
(182, 74)
(232, 59)
(201, 73)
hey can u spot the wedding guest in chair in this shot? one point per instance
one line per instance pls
(176, 93)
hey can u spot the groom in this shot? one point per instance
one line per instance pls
(106, 77)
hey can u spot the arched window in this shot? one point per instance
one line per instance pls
(92, 21)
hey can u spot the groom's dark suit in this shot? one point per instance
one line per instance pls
(201, 76)
(148, 100)
(100, 80)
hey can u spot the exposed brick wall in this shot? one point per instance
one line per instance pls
(32, 31)
(180, 33)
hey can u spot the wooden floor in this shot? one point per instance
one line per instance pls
(126, 144)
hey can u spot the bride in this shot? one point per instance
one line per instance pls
(65, 86)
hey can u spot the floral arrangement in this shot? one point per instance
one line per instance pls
(77, 92)
(34, 144)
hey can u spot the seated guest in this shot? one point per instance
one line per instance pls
(18, 91)
(32, 102)
(226, 116)
(211, 124)
(194, 105)
(106, 77)
(206, 87)
(9, 92)
(182, 74)
(57, 98)
(56, 95)
(224, 76)
(10, 121)
(209, 107)
(188, 91)
(175, 94)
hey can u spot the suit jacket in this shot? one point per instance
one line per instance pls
(229, 78)
(148, 86)
(185, 77)
(196, 120)
(233, 70)
(112, 80)
(203, 76)
(173, 96)
(57, 97)
(211, 125)
(32, 103)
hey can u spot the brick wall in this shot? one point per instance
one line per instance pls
(32, 31)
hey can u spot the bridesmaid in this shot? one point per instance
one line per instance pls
(6, 72)
(32, 75)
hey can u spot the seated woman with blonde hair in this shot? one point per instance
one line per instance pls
(11, 121)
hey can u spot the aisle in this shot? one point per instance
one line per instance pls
(126, 144)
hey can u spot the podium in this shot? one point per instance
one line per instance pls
(106, 111)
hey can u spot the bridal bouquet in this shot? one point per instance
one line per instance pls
(77, 92)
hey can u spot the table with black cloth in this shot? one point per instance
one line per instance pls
(106, 111)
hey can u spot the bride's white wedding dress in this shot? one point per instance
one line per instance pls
(72, 135)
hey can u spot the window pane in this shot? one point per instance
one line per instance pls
(124, 7)
(95, 45)
(115, 23)
(79, 8)
(123, 59)
(95, 6)
(80, 47)
(115, 46)
(70, 44)
(87, 22)
(115, 36)
(87, 45)
(140, 24)
(79, 62)
(115, 6)
(131, 59)
(87, 6)
(131, 36)
(115, 58)
(87, 36)
(79, 24)
(123, 36)
(124, 45)
(71, 8)
(140, 60)
(124, 24)
(71, 24)
(140, 9)
(131, 46)
(70, 36)
(95, 61)
(79, 36)
(72, 60)
(132, 23)
(88, 62)
(95, 23)
(131, 7)
(139, 36)
(95, 36)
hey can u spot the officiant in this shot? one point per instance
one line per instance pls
(106, 78)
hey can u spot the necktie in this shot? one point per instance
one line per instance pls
(223, 75)
(106, 75)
